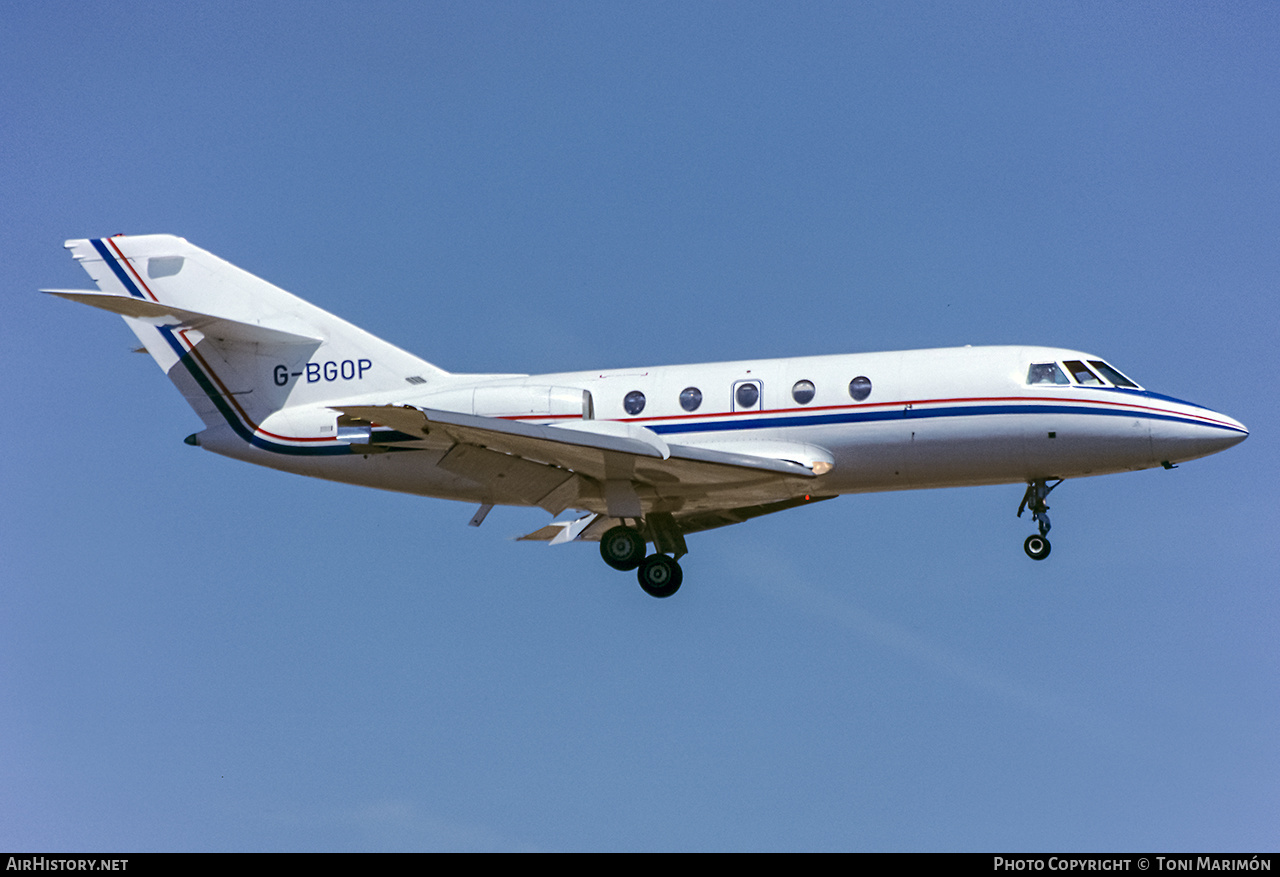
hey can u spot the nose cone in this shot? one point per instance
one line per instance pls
(1195, 432)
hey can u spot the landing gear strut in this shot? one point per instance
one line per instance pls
(623, 547)
(1038, 547)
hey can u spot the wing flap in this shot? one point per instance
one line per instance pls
(591, 527)
(506, 475)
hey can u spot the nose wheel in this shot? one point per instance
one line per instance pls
(1037, 547)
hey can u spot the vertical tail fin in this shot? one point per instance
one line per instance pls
(237, 347)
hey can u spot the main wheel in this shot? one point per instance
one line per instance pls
(660, 576)
(1037, 547)
(622, 548)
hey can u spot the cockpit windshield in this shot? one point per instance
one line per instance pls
(1081, 373)
(1046, 373)
(1041, 373)
(1111, 374)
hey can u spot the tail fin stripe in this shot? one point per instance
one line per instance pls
(129, 266)
(121, 274)
(197, 363)
(205, 377)
(236, 418)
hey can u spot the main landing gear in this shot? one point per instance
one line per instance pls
(623, 548)
(1037, 546)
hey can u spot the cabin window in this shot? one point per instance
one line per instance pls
(690, 398)
(803, 392)
(747, 395)
(860, 388)
(1046, 373)
(1081, 373)
(633, 402)
(1111, 374)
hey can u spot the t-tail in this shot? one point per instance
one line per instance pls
(238, 348)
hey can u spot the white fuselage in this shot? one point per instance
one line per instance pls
(929, 418)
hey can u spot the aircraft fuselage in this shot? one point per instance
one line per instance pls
(930, 418)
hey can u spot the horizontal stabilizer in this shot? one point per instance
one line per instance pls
(159, 314)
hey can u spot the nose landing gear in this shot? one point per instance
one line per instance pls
(1037, 547)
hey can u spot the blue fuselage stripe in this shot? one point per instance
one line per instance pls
(848, 417)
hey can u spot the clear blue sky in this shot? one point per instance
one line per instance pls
(197, 654)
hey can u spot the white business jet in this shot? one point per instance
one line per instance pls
(647, 455)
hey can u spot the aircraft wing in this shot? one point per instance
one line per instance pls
(612, 468)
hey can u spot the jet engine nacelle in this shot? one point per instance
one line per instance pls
(302, 422)
(515, 400)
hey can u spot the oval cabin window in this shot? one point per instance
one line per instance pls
(860, 388)
(803, 392)
(690, 398)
